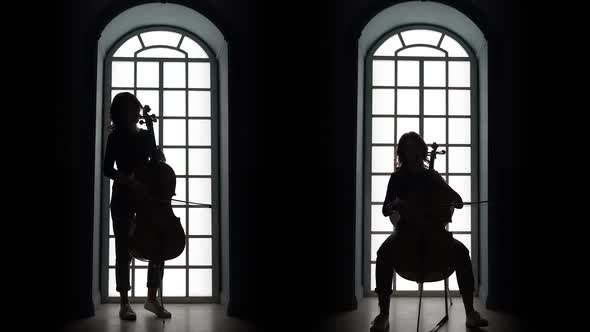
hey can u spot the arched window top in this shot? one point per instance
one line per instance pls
(161, 42)
(427, 41)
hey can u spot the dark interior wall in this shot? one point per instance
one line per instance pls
(292, 127)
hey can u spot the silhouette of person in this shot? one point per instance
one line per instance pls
(411, 172)
(129, 147)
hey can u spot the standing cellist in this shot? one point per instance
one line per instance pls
(131, 148)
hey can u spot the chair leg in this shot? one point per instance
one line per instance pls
(446, 296)
(420, 287)
(446, 317)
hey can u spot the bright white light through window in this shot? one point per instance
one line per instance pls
(420, 80)
(172, 73)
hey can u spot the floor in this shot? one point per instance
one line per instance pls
(212, 317)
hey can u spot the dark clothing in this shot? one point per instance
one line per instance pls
(129, 151)
(403, 184)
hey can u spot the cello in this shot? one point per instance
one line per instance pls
(424, 239)
(155, 233)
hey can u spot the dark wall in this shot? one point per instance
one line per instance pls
(292, 114)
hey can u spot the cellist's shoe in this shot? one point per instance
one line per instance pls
(126, 313)
(474, 319)
(380, 323)
(157, 308)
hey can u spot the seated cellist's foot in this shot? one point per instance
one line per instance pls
(157, 308)
(474, 319)
(380, 323)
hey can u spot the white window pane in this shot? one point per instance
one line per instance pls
(174, 74)
(200, 282)
(122, 74)
(174, 103)
(193, 49)
(112, 252)
(176, 158)
(140, 284)
(199, 251)
(180, 190)
(421, 51)
(434, 286)
(460, 102)
(373, 279)
(174, 132)
(137, 262)
(199, 75)
(383, 130)
(461, 221)
(434, 102)
(379, 187)
(199, 221)
(440, 163)
(117, 91)
(435, 130)
(156, 38)
(199, 132)
(199, 161)
(383, 101)
(402, 284)
(160, 52)
(112, 283)
(465, 239)
(128, 48)
(384, 72)
(408, 101)
(148, 74)
(459, 159)
(200, 190)
(376, 242)
(408, 73)
(459, 74)
(453, 48)
(174, 283)
(434, 73)
(379, 223)
(382, 159)
(151, 98)
(199, 103)
(405, 125)
(462, 185)
(460, 131)
(178, 261)
(389, 46)
(419, 36)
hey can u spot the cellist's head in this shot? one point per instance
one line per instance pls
(125, 110)
(411, 152)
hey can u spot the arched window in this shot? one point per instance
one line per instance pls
(421, 78)
(175, 60)
(175, 73)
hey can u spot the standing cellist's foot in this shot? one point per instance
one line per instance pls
(126, 313)
(157, 308)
